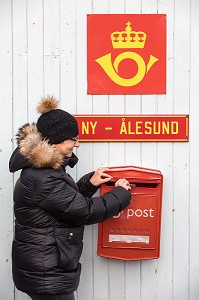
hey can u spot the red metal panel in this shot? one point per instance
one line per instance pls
(126, 54)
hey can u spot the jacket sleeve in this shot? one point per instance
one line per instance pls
(86, 188)
(109, 204)
(69, 206)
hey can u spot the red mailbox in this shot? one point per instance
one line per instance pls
(134, 234)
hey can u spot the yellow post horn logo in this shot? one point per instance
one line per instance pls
(126, 39)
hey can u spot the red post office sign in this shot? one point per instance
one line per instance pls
(134, 233)
(133, 128)
(126, 54)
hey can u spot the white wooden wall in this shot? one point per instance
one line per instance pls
(43, 51)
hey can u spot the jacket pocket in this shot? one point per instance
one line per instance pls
(69, 243)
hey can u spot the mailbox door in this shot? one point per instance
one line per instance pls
(135, 227)
(135, 232)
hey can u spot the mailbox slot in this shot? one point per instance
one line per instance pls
(147, 185)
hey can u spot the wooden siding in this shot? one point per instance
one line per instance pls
(43, 51)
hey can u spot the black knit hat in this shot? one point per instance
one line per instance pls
(55, 124)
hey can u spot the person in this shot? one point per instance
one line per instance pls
(50, 209)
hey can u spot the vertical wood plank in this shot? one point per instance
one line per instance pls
(133, 157)
(100, 158)
(35, 50)
(84, 101)
(6, 215)
(51, 47)
(194, 163)
(149, 154)
(165, 164)
(100, 102)
(20, 78)
(117, 157)
(20, 64)
(84, 105)
(181, 152)
(68, 53)
(133, 102)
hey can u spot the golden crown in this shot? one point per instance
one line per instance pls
(128, 38)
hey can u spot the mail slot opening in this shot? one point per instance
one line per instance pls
(149, 185)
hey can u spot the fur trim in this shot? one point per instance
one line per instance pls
(38, 152)
(47, 104)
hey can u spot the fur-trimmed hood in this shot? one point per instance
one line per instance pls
(35, 151)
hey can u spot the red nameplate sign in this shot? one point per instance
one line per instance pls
(133, 128)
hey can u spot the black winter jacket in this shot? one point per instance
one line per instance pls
(51, 211)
